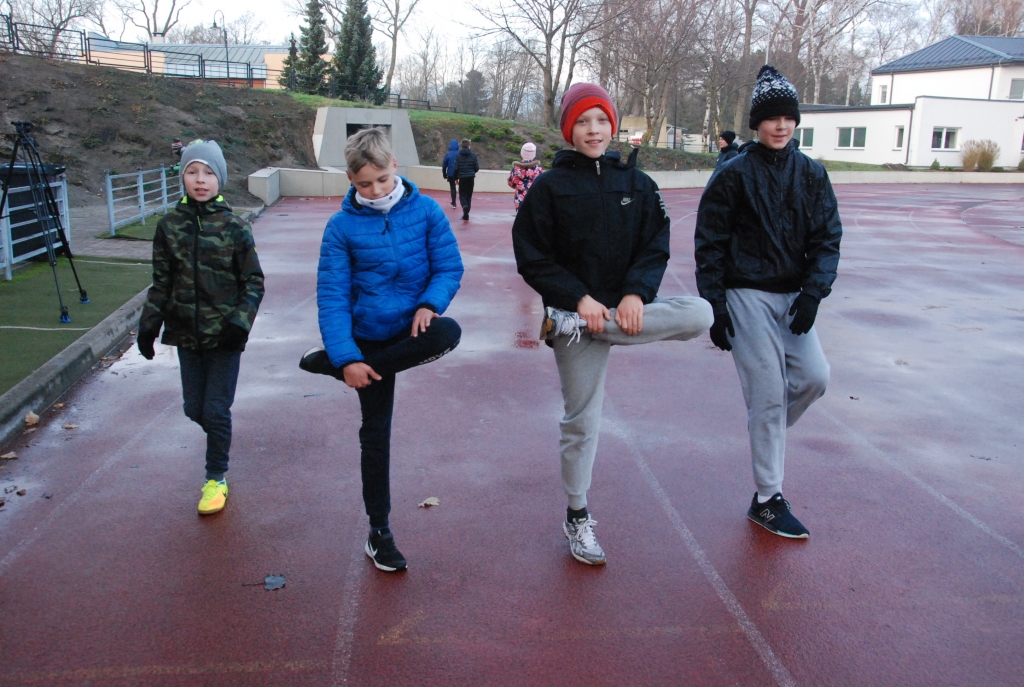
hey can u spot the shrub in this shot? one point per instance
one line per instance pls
(935, 165)
(556, 146)
(512, 147)
(1020, 166)
(979, 154)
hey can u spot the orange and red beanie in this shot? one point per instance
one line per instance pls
(578, 99)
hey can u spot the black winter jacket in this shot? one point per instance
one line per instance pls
(727, 153)
(466, 164)
(768, 220)
(592, 227)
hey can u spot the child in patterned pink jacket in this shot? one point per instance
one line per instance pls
(524, 172)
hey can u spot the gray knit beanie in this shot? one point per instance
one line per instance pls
(210, 154)
(773, 96)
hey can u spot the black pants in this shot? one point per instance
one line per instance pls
(466, 194)
(454, 186)
(377, 402)
(208, 380)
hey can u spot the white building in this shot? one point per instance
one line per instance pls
(926, 104)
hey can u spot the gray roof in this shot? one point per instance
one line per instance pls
(959, 52)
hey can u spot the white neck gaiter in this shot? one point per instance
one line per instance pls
(387, 202)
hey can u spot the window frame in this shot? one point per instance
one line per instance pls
(944, 139)
(900, 141)
(883, 94)
(853, 137)
(800, 134)
(1014, 82)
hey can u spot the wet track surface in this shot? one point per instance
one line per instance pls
(908, 474)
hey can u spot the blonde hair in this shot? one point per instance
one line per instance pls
(368, 147)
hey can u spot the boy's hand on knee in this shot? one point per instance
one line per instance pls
(421, 320)
(630, 314)
(359, 375)
(594, 313)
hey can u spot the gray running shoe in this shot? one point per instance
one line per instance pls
(561, 323)
(582, 542)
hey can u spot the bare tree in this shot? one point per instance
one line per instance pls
(510, 72)
(50, 21)
(155, 17)
(390, 17)
(420, 74)
(242, 31)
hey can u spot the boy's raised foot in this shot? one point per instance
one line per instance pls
(582, 541)
(561, 323)
(776, 516)
(315, 360)
(214, 498)
(380, 547)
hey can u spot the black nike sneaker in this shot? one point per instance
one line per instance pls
(315, 360)
(776, 516)
(380, 547)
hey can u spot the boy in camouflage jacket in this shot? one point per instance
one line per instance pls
(207, 287)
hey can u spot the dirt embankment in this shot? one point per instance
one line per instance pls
(92, 119)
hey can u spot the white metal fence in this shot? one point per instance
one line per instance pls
(21, 232)
(134, 197)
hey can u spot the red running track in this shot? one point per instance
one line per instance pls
(908, 473)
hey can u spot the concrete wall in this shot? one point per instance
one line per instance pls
(265, 184)
(951, 83)
(331, 131)
(996, 120)
(487, 180)
(880, 137)
(1001, 86)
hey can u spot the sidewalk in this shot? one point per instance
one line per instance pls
(908, 473)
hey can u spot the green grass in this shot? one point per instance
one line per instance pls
(30, 300)
(315, 101)
(836, 166)
(140, 230)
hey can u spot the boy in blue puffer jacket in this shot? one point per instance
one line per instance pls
(448, 168)
(389, 266)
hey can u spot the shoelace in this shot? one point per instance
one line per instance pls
(210, 489)
(568, 325)
(585, 534)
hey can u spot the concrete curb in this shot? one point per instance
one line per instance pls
(44, 386)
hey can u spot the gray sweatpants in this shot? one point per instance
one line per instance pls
(781, 373)
(583, 365)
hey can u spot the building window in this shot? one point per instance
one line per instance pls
(883, 95)
(944, 138)
(1017, 89)
(852, 137)
(805, 137)
(899, 138)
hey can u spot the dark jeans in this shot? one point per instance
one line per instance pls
(208, 380)
(454, 186)
(377, 401)
(466, 194)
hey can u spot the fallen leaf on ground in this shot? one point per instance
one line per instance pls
(31, 419)
(9, 456)
(20, 492)
(8, 490)
(431, 501)
(58, 406)
(272, 582)
(67, 426)
(30, 430)
(47, 496)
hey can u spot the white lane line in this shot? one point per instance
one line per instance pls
(754, 636)
(927, 488)
(83, 488)
(347, 619)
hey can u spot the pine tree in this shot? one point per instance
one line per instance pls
(310, 68)
(287, 78)
(355, 66)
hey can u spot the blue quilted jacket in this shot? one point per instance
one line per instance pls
(377, 269)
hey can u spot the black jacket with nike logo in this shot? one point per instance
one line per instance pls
(592, 227)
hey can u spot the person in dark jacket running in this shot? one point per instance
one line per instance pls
(767, 250)
(727, 148)
(448, 168)
(207, 287)
(466, 167)
(592, 238)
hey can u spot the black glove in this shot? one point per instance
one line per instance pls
(804, 310)
(233, 337)
(723, 324)
(145, 341)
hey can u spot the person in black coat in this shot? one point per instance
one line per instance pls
(592, 238)
(727, 148)
(466, 167)
(767, 251)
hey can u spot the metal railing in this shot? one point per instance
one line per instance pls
(134, 197)
(21, 232)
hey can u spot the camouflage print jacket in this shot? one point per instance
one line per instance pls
(202, 253)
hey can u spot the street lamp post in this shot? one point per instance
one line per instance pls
(227, 57)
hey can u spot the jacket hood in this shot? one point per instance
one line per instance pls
(731, 146)
(465, 152)
(521, 163)
(771, 155)
(194, 207)
(350, 204)
(572, 158)
(453, 146)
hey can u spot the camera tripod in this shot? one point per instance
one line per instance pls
(45, 207)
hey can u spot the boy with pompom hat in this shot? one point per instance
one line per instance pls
(524, 172)
(767, 250)
(207, 287)
(592, 238)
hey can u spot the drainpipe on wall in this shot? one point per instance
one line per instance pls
(910, 129)
(991, 81)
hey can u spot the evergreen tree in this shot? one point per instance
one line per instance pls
(287, 78)
(310, 67)
(355, 68)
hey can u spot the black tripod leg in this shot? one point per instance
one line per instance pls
(36, 182)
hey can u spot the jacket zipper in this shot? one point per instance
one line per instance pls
(195, 272)
(598, 163)
(387, 225)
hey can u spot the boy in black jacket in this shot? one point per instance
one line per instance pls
(466, 167)
(767, 249)
(592, 238)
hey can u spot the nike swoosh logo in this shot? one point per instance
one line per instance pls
(627, 201)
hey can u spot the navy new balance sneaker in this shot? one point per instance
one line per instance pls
(776, 516)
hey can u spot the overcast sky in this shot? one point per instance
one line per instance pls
(444, 15)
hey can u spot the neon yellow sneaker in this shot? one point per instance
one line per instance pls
(215, 495)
